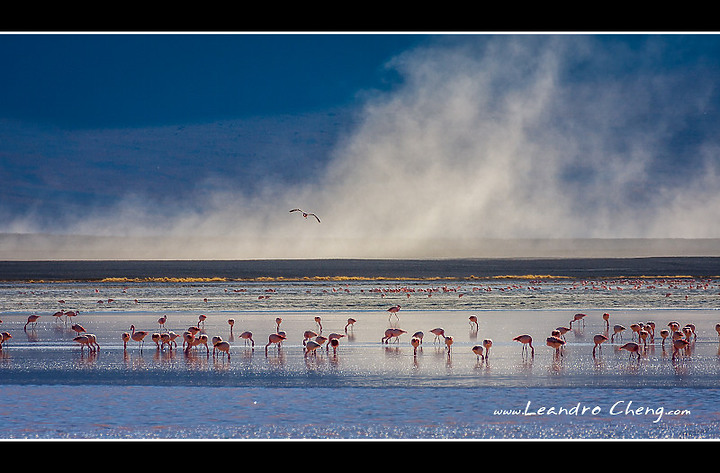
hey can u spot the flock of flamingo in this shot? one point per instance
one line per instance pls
(680, 337)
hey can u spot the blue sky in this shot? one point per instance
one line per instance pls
(531, 135)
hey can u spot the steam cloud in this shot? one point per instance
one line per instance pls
(487, 137)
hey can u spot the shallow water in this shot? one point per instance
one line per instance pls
(365, 389)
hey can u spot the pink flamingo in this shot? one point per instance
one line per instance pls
(578, 317)
(664, 333)
(32, 320)
(58, 315)
(393, 311)
(392, 333)
(308, 334)
(350, 323)
(162, 321)
(448, 343)
(487, 344)
(438, 332)
(562, 331)
(83, 340)
(478, 350)
(274, 338)
(334, 336)
(311, 346)
(598, 340)
(556, 343)
(680, 344)
(526, 340)
(78, 328)
(415, 343)
(247, 336)
(318, 321)
(617, 330)
(633, 348)
(69, 314)
(138, 336)
(606, 318)
(201, 320)
(125, 336)
(474, 322)
(222, 346)
(92, 342)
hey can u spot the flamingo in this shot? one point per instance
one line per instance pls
(92, 341)
(664, 333)
(247, 336)
(201, 339)
(32, 320)
(474, 322)
(138, 336)
(393, 311)
(438, 332)
(308, 334)
(692, 329)
(278, 321)
(231, 322)
(168, 338)
(448, 343)
(78, 328)
(562, 331)
(125, 336)
(578, 317)
(632, 347)
(201, 320)
(320, 339)
(478, 350)
(155, 337)
(318, 321)
(306, 214)
(717, 329)
(635, 329)
(70, 314)
(188, 338)
(487, 344)
(311, 346)
(334, 343)
(351, 324)
(680, 344)
(643, 336)
(4, 336)
(606, 318)
(334, 336)
(58, 315)
(651, 329)
(526, 340)
(617, 330)
(419, 335)
(83, 340)
(392, 333)
(222, 346)
(274, 338)
(598, 340)
(162, 321)
(556, 343)
(415, 343)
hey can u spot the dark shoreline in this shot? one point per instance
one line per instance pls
(456, 268)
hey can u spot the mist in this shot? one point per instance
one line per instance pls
(486, 139)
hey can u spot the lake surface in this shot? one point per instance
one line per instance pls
(365, 389)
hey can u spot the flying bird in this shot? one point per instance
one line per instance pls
(306, 214)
